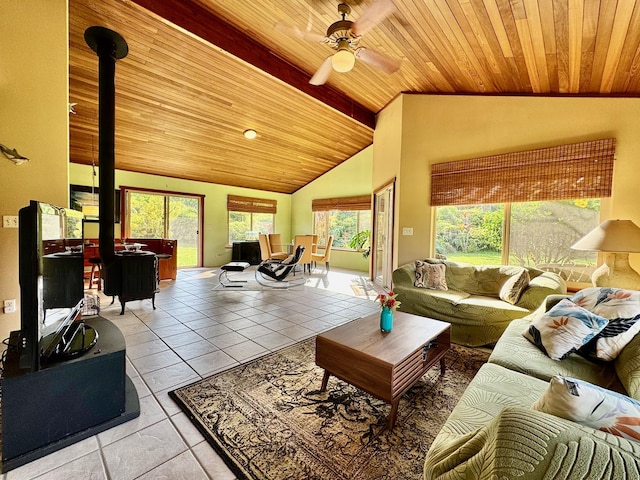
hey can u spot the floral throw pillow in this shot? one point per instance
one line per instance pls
(429, 275)
(512, 289)
(622, 309)
(593, 406)
(564, 329)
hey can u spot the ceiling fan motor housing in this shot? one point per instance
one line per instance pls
(341, 30)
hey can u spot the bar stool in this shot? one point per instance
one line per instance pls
(95, 277)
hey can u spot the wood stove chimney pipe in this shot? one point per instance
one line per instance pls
(109, 46)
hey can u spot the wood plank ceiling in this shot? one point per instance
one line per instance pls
(182, 102)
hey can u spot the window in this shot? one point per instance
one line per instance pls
(250, 216)
(523, 208)
(342, 218)
(532, 234)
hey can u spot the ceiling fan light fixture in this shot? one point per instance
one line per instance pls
(343, 60)
(250, 134)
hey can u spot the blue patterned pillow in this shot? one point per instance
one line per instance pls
(593, 406)
(564, 329)
(621, 308)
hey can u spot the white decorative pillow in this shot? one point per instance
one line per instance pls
(514, 286)
(564, 329)
(590, 405)
(609, 302)
(622, 309)
(430, 275)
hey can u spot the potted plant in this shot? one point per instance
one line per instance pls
(360, 242)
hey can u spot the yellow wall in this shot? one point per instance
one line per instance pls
(387, 154)
(215, 229)
(438, 129)
(350, 178)
(35, 121)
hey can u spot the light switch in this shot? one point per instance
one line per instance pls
(9, 221)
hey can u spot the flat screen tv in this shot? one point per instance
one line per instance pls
(51, 280)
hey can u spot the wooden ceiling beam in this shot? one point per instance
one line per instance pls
(209, 27)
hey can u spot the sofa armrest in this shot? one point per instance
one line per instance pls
(522, 443)
(628, 367)
(404, 275)
(540, 287)
(552, 300)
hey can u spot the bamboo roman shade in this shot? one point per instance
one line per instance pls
(362, 202)
(579, 170)
(236, 203)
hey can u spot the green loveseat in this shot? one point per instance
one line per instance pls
(494, 433)
(472, 301)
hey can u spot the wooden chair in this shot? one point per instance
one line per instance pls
(324, 257)
(275, 244)
(307, 242)
(265, 249)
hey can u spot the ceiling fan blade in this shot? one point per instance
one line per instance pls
(322, 74)
(389, 65)
(298, 33)
(373, 15)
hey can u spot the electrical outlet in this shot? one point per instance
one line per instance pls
(9, 306)
(9, 221)
(407, 231)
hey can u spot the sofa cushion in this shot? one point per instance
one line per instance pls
(484, 280)
(493, 388)
(540, 287)
(430, 276)
(516, 353)
(564, 329)
(512, 289)
(622, 308)
(592, 406)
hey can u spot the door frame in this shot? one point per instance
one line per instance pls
(389, 187)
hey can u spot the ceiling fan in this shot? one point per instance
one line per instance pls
(344, 37)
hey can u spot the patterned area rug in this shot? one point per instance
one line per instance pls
(268, 419)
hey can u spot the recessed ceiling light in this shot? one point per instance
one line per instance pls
(250, 134)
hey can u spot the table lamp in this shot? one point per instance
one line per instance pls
(617, 238)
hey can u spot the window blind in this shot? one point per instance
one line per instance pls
(362, 202)
(236, 203)
(579, 170)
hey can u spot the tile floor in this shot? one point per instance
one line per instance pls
(197, 330)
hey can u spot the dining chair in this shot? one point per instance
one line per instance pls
(315, 243)
(324, 257)
(265, 249)
(275, 244)
(307, 242)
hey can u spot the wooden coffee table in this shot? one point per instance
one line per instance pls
(384, 365)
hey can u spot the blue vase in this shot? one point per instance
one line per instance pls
(386, 319)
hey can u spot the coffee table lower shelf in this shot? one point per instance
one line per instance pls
(385, 365)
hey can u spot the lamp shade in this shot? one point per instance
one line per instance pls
(611, 236)
(343, 61)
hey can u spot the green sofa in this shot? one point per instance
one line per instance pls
(493, 432)
(472, 301)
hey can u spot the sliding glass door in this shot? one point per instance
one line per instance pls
(154, 214)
